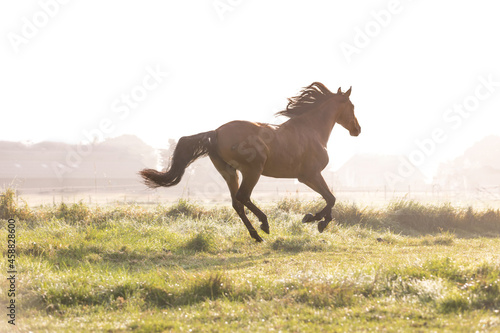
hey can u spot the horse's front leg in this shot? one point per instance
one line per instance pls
(316, 217)
(318, 184)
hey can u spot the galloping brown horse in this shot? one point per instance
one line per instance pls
(294, 149)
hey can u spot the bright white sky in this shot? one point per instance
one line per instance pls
(243, 61)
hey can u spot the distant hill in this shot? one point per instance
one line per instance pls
(114, 162)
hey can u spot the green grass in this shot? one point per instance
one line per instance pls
(407, 267)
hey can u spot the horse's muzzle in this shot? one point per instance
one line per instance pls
(355, 132)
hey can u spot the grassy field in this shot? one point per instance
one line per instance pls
(406, 267)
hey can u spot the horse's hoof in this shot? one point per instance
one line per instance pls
(257, 238)
(308, 218)
(322, 225)
(265, 228)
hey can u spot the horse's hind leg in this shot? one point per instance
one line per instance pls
(231, 177)
(264, 225)
(247, 184)
(318, 184)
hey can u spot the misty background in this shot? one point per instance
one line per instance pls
(93, 92)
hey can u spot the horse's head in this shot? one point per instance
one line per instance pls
(346, 116)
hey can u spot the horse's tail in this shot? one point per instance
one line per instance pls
(188, 149)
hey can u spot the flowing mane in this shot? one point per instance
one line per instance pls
(310, 97)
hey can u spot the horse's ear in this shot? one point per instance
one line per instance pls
(348, 92)
(339, 91)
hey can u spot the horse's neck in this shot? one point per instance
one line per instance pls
(317, 123)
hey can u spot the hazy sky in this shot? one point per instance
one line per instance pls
(420, 70)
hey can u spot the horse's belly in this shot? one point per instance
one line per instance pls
(281, 173)
(281, 167)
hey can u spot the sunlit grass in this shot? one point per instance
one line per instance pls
(187, 266)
